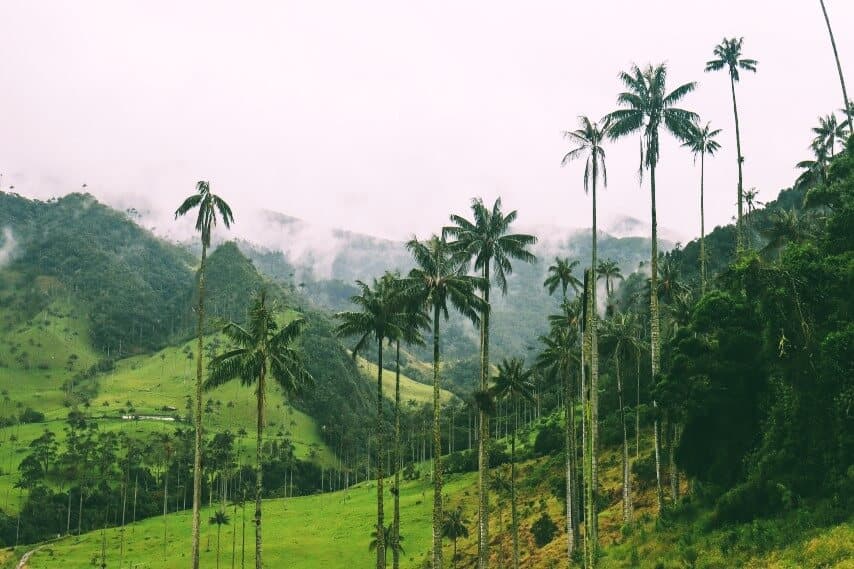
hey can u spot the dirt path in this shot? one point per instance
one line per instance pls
(22, 564)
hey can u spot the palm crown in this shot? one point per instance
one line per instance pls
(487, 241)
(560, 275)
(209, 204)
(701, 140)
(589, 138)
(647, 107)
(828, 133)
(513, 381)
(454, 526)
(262, 348)
(728, 54)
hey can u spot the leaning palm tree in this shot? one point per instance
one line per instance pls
(728, 54)
(220, 518)
(848, 106)
(378, 319)
(560, 275)
(262, 350)
(411, 319)
(701, 140)
(209, 205)
(454, 527)
(438, 280)
(621, 333)
(648, 109)
(513, 382)
(487, 240)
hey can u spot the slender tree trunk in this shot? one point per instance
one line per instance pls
(569, 433)
(627, 496)
(233, 536)
(594, 378)
(80, 513)
(513, 514)
(702, 224)
(739, 225)
(674, 472)
(437, 448)
(218, 533)
(259, 468)
(68, 519)
(654, 333)
(380, 460)
(838, 69)
(455, 553)
(483, 438)
(637, 402)
(165, 506)
(197, 417)
(587, 435)
(395, 537)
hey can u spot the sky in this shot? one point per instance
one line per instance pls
(384, 117)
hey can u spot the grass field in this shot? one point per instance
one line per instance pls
(410, 390)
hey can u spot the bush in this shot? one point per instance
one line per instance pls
(549, 440)
(543, 530)
(753, 499)
(30, 415)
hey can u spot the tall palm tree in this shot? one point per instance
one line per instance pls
(262, 350)
(559, 355)
(648, 108)
(701, 140)
(220, 518)
(728, 54)
(411, 320)
(487, 240)
(828, 133)
(560, 275)
(513, 382)
(209, 205)
(621, 332)
(379, 319)
(815, 170)
(455, 527)
(848, 106)
(609, 270)
(440, 279)
(588, 140)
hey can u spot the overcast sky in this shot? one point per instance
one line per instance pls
(384, 117)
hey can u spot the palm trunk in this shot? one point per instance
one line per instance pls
(218, 533)
(627, 498)
(702, 224)
(165, 506)
(587, 446)
(838, 69)
(197, 418)
(654, 333)
(594, 379)
(739, 227)
(482, 456)
(259, 469)
(395, 537)
(380, 459)
(674, 472)
(569, 433)
(455, 553)
(437, 448)
(514, 518)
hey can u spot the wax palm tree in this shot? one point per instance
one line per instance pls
(411, 319)
(386, 543)
(786, 226)
(815, 170)
(487, 240)
(220, 518)
(454, 527)
(560, 275)
(848, 105)
(513, 382)
(559, 355)
(379, 319)
(701, 141)
(609, 270)
(621, 333)
(209, 206)
(262, 350)
(828, 133)
(439, 280)
(728, 54)
(649, 108)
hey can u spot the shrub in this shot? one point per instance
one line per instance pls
(549, 440)
(30, 415)
(543, 530)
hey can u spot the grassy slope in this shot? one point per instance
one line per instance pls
(409, 388)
